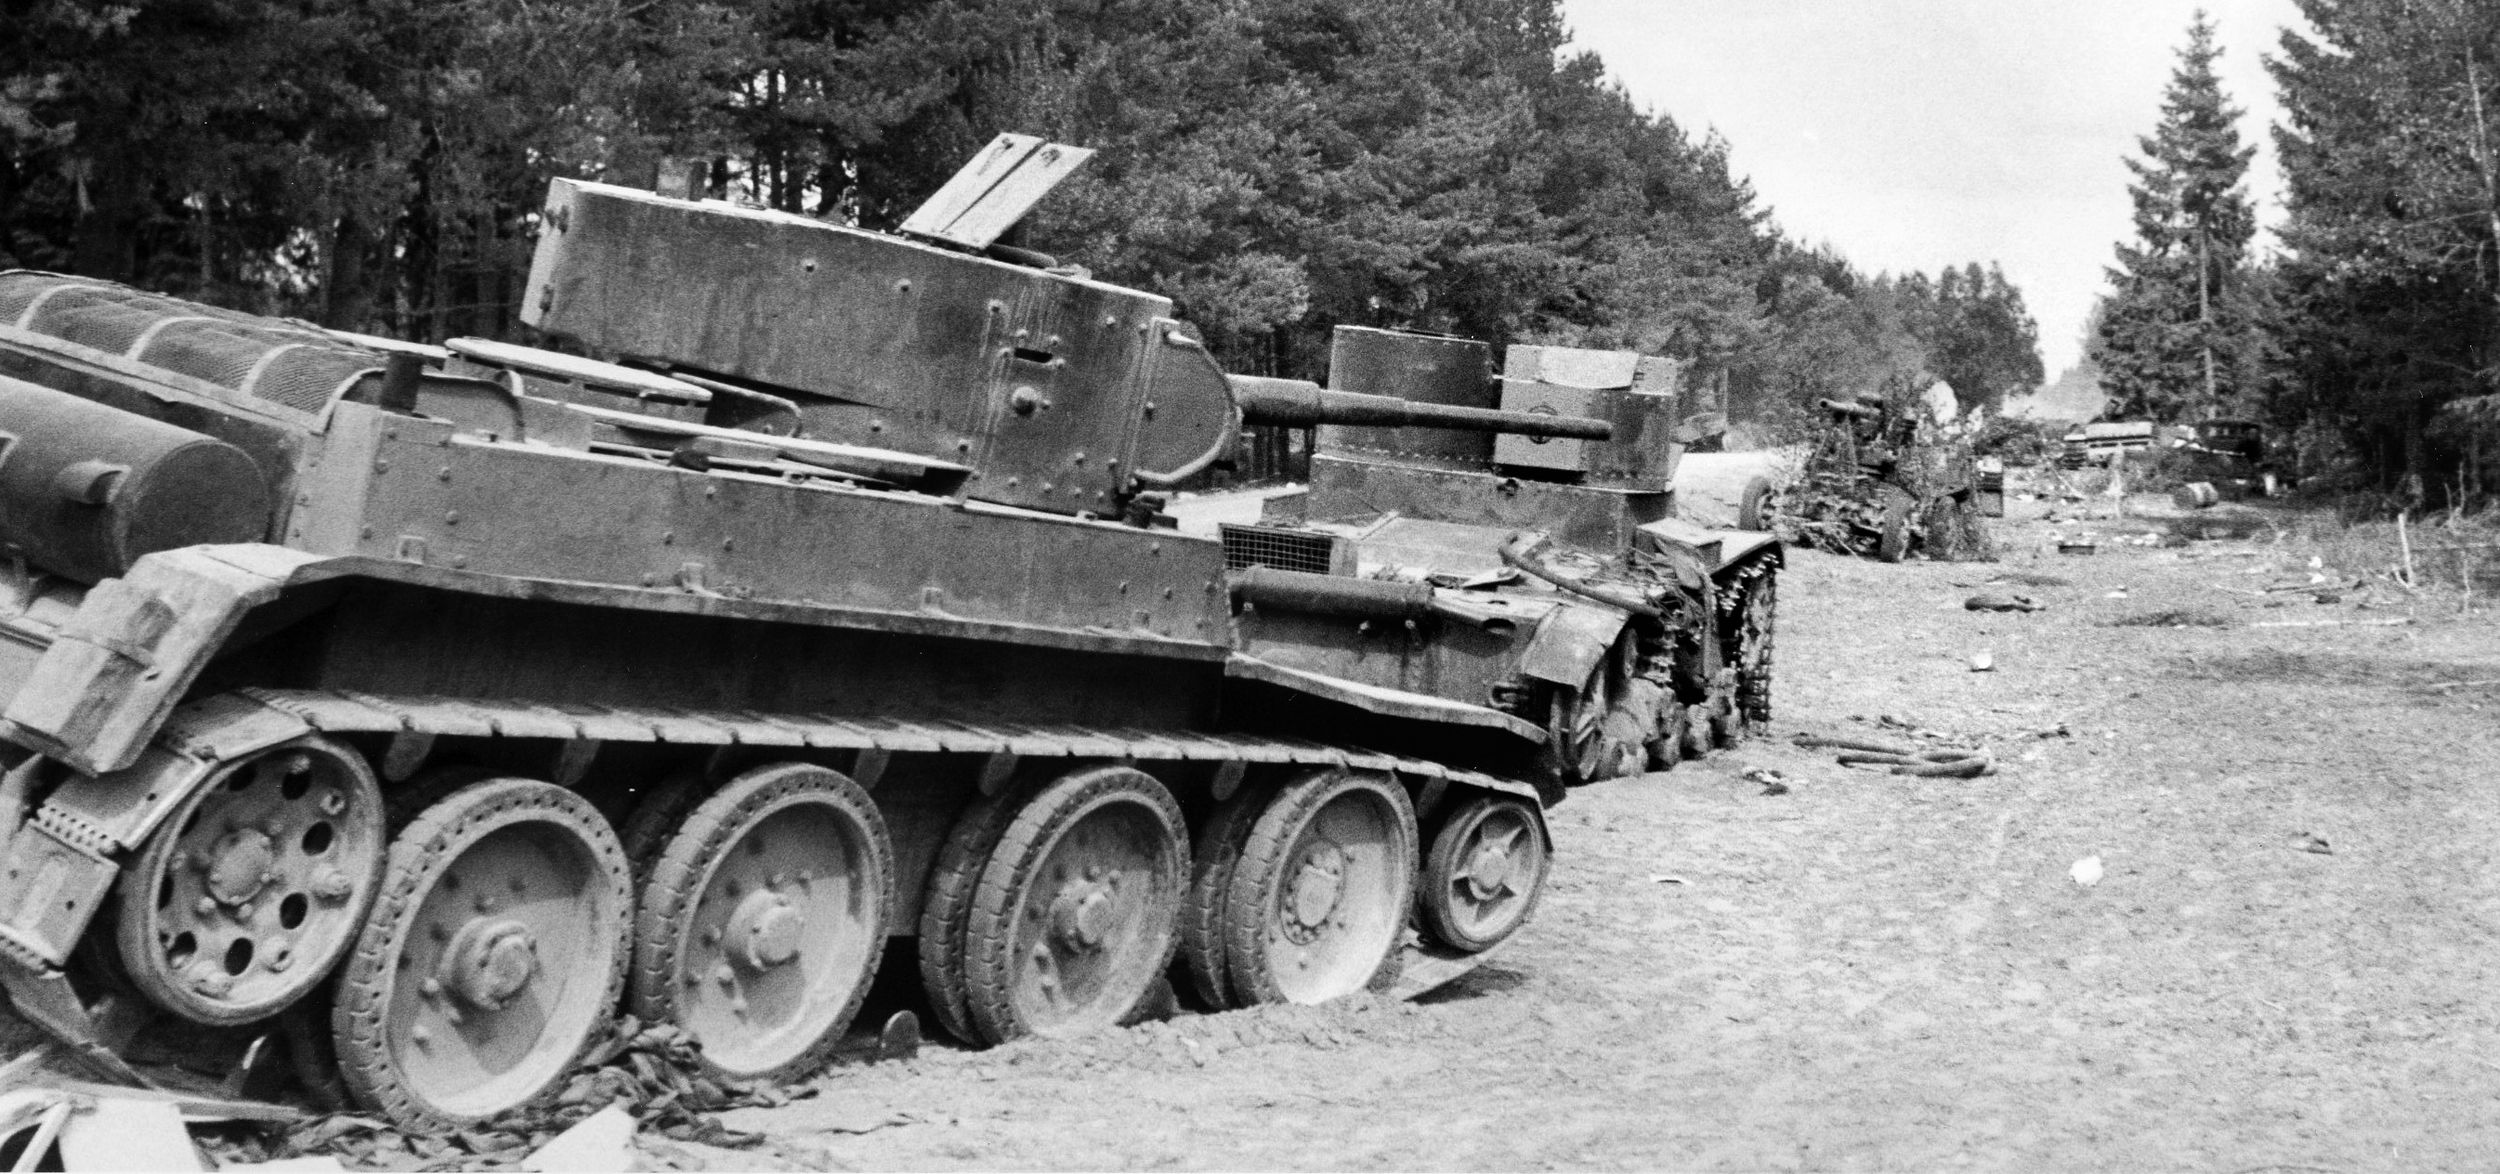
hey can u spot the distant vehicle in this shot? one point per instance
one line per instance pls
(2097, 444)
(2231, 455)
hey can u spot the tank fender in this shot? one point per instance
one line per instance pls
(123, 661)
(1570, 642)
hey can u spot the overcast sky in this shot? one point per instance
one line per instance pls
(1914, 134)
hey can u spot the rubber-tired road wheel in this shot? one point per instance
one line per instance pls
(657, 814)
(1214, 859)
(946, 906)
(1484, 873)
(242, 899)
(494, 953)
(763, 920)
(1320, 897)
(1076, 915)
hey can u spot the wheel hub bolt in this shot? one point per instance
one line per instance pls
(332, 802)
(331, 885)
(210, 979)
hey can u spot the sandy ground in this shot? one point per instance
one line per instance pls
(1869, 972)
(1877, 973)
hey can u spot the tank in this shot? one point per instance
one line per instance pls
(1653, 635)
(428, 707)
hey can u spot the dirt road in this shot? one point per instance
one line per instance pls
(1879, 973)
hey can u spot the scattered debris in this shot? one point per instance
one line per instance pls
(2189, 617)
(2001, 601)
(1960, 763)
(2312, 842)
(2087, 871)
(2197, 495)
(2077, 546)
(1667, 878)
(1773, 782)
(601, 1142)
(2396, 622)
(1983, 661)
(128, 1133)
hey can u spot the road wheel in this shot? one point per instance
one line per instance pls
(1320, 897)
(658, 812)
(1484, 873)
(493, 955)
(946, 907)
(1078, 908)
(1213, 862)
(241, 901)
(763, 920)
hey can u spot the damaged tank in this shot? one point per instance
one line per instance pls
(429, 706)
(1653, 635)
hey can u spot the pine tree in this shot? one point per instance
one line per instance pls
(2179, 321)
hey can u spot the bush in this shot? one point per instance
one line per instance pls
(2019, 441)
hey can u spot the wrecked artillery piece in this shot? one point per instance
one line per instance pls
(1653, 636)
(1879, 482)
(426, 705)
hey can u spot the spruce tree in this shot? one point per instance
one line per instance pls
(2178, 326)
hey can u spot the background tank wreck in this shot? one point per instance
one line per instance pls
(1654, 635)
(427, 704)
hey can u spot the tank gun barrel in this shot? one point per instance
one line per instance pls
(1299, 403)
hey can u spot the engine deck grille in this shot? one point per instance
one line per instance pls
(1280, 547)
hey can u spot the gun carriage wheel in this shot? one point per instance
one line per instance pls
(496, 950)
(245, 897)
(1319, 900)
(763, 919)
(1077, 910)
(1484, 873)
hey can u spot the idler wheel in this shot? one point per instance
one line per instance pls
(1074, 917)
(763, 920)
(1484, 874)
(242, 900)
(1319, 898)
(494, 953)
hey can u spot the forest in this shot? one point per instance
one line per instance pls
(1278, 167)
(2368, 337)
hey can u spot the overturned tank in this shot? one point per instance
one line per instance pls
(1652, 636)
(427, 707)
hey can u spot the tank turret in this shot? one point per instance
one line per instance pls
(1058, 392)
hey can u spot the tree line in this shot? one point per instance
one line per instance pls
(2371, 339)
(1279, 167)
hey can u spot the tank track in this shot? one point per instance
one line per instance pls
(74, 843)
(1734, 587)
